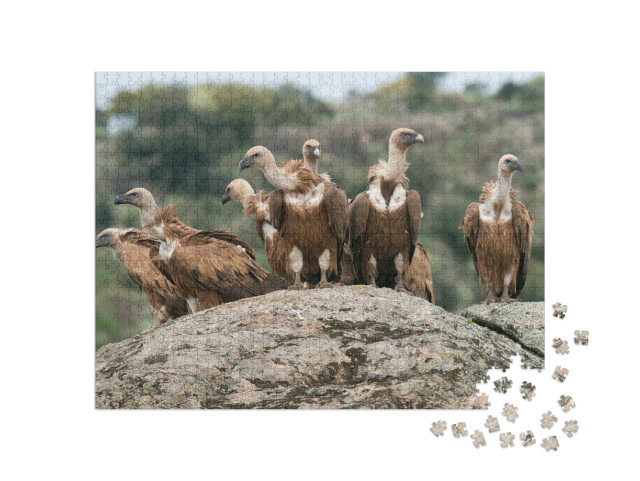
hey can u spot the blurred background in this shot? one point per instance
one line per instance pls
(181, 135)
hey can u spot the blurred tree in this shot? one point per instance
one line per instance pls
(415, 90)
(476, 89)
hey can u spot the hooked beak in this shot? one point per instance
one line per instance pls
(98, 243)
(121, 199)
(316, 152)
(419, 139)
(245, 163)
(516, 166)
(225, 198)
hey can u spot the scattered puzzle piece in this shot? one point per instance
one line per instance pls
(459, 429)
(502, 385)
(550, 443)
(570, 428)
(510, 412)
(492, 424)
(582, 338)
(438, 428)
(559, 310)
(527, 439)
(560, 374)
(528, 390)
(566, 402)
(506, 439)
(548, 420)
(478, 439)
(561, 347)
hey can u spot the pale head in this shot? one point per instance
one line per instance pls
(138, 197)
(108, 237)
(311, 149)
(401, 139)
(258, 157)
(508, 164)
(237, 190)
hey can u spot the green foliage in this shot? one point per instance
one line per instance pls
(187, 142)
(529, 96)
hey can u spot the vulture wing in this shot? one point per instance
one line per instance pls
(523, 226)
(419, 277)
(469, 226)
(154, 255)
(206, 236)
(139, 237)
(358, 217)
(414, 212)
(336, 205)
(276, 208)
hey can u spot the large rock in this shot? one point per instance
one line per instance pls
(521, 321)
(346, 347)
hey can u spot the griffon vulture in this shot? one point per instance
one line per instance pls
(307, 210)
(284, 258)
(498, 231)
(418, 278)
(131, 248)
(385, 219)
(208, 267)
(311, 151)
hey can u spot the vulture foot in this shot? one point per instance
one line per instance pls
(296, 287)
(401, 288)
(507, 299)
(324, 285)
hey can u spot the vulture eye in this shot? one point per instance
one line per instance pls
(508, 161)
(256, 154)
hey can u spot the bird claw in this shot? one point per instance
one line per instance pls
(402, 289)
(324, 285)
(296, 287)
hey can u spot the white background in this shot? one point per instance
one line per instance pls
(50, 53)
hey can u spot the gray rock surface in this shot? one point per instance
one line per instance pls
(521, 321)
(346, 347)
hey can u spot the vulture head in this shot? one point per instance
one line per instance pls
(107, 238)
(138, 197)
(237, 190)
(508, 165)
(404, 138)
(311, 150)
(257, 157)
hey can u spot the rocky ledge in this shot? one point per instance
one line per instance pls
(346, 347)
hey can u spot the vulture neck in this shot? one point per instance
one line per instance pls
(397, 165)
(312, 164)
(278, 178)
(501, 197)
(148, 212)
(503, 189)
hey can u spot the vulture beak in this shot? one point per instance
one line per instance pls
(245, 163)
(98, 243)
(316, 152)
(226, 198)
(516, 166)
(121, 199)
(419, 139)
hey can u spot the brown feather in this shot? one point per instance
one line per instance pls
(306, 178)
(212, 266)
(419, 279)
(499, 249)
(133, 248)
